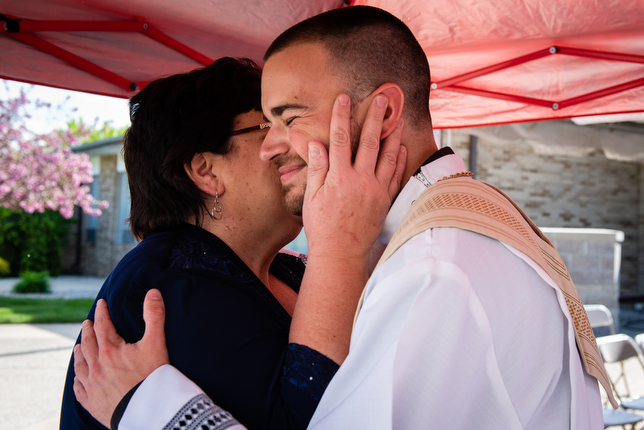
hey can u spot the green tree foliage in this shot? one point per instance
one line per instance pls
(33, 241)
(94, 132)
(41, 180)
(5, 269)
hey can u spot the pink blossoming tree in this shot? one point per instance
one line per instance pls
(40, 171)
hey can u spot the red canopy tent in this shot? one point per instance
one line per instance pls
(493, 61)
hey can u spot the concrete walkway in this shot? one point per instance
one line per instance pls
(33, 365)
(34, 360)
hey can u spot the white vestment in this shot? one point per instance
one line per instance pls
(456, 331)
(459, 331)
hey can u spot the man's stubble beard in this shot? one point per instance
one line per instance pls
(292, 194)
(293, 201)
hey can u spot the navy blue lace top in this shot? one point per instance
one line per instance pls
(224, 329)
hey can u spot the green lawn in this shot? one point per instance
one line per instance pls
(15, 310)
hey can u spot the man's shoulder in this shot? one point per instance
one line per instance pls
(451, 250)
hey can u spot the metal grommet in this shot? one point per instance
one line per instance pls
(553, 49)
(434, 86)
(555, 106)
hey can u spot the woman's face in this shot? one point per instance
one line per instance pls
(253, 191)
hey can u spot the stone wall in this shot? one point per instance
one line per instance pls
(68, 253)
(562, 191)
(98, 258)
(593, 259)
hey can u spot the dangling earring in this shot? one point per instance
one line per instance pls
(216, 213)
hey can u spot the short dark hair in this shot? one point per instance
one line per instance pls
(367, 47)
(173, 119)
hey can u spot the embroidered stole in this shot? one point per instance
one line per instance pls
(481, 208)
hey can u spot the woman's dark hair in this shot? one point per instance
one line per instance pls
(173, 119)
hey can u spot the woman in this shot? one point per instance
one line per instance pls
(209, 216)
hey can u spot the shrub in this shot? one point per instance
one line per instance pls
(33, 241)
(33, 282)
(5, 269)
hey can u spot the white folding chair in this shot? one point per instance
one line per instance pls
(639, 340)
(620, 418)
(600, 316)
(618, 348)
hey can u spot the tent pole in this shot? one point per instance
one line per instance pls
(473, 154)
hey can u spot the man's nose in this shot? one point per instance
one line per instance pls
(273, 145)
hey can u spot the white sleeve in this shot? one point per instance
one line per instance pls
(166, 398)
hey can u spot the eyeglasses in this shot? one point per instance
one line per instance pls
(253, 128)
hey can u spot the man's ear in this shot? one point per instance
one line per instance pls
(395, 102)
(202, 171)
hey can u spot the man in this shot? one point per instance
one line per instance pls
(452, 318)
(457, 329)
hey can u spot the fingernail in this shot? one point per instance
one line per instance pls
(314, 151)
(403, 149)
(343, 99)
(381, 101)
(85, 323)
(154, 294)
(401, 122)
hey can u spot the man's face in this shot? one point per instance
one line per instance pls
(298, 93)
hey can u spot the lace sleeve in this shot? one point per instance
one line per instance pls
(309, 370)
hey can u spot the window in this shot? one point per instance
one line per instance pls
(91, 221)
